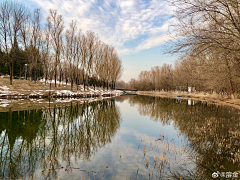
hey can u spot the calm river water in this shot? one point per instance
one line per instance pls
(127, 137)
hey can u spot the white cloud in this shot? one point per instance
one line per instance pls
(117, 21)
(126, 51)
(153, 42)
(147, 44)
(125, 4)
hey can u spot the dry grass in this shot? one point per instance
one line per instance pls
(223, 100)
(31, 89)
(25, 85)
(155, 160)
(147, 162)
(22, 89)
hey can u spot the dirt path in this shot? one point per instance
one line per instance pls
(214, 98)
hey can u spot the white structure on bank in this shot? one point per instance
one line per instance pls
(191, 89)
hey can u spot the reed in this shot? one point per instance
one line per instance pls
(149, 169)
(147, 162)
(155, 160)
(163, 159)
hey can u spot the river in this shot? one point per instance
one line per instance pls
(126, 137)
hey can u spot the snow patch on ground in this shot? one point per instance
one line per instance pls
(4, 87)
(5, 91)
(4, 102)
(67, 92)
(4, 105)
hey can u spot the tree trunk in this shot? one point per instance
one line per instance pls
(45, 78)
(62, 79)
(35, 75)
(84, 83)
(11, 73)
(55, 78)
(232, 90)
(77, 80)
(20, 71)
(59, 82)
(230, 79)
(88, 82)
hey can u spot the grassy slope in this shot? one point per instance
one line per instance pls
(223, 100)
(27, 87)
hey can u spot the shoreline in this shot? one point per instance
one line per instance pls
(25, 94)
(34, 103)
(206, 97)
(25, 89)
(60, 95)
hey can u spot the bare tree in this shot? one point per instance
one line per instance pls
(56, 24)
(78, 57)
(210, 31)
(116, 70)
(46, 51)
(91, 53)
(70, 50)
(33, 49)
(12, 15)
(84, 55)
(51, 52)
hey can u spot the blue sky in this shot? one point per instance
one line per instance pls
(138, 29)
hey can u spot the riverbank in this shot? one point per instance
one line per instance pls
(213, 98)
(33, 104)
(25, 89)
(24, 94)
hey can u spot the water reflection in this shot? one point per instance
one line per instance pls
(53, 138)
(213, 133)
(50, 143)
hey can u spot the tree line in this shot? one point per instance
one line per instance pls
(34, 49)
(207, 38)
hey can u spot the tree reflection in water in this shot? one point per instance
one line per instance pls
(213, 133)
(48, 139)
